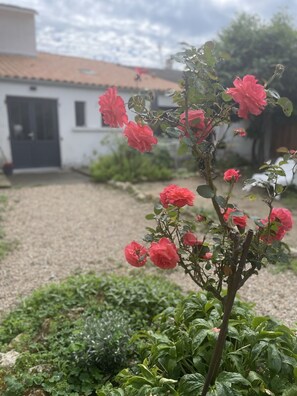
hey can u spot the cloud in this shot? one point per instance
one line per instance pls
(136, 32)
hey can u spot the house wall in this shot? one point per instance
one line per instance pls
(234, 144)
(77, 144)
(17, 31)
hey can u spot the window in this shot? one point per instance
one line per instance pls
(80, 114)
(103, 123)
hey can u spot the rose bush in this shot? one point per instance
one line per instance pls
(237, 245)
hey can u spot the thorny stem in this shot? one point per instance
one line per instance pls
(233, 286)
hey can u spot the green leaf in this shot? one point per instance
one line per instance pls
(198, 339)
(137, 103)
(226, 97)
(279, 188)
(255, 378)
(158, 209)
(173, 132)
(286, 105)
(221, 201)
(273, 93)
(227, 377)
(274, 359)
(224, 390)
(205, 191)
(191, 384)
(150, 216)
(259, 319)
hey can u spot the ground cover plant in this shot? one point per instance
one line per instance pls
(74, 336)
(235, 246)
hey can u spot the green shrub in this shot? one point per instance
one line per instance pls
(260, 357)
(104, 342)
(127, 164)
(61, 332)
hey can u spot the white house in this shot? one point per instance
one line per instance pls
(49, 103)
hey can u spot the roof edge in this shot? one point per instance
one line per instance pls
(71, 85)
(15, 8)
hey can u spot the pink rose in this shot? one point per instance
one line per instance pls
(190, 239)
(140, 137)
(240, 221)
(177, 196)
(282, 219)
(250, 95)
(207, 256)
(164, 254)
(197, 122)
(136, 254)
(231, 175)
(113, 108)
(283, 216)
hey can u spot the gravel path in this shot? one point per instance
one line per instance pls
(68, 229)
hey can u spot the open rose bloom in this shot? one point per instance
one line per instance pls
(164, 254)
(176, 196)
(250, 95)
(113, 108)
(136, 254)
(140, 137)
(280, 222)
(200, 126)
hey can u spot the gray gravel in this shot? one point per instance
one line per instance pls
(77, 228)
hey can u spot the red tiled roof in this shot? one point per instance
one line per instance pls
(78, 71)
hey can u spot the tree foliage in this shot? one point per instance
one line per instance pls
(255, 47)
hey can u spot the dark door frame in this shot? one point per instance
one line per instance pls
(38, 152)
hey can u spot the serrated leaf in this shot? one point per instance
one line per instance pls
(205, 191)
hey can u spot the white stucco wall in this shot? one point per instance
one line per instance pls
(234, 144)
(17, 31)
(77, 145)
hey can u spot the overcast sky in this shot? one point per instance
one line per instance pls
(137, 32)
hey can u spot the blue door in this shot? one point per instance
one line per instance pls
(34, 135)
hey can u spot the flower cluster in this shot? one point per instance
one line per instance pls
(164, 252)
(171, 240)
(139, 136)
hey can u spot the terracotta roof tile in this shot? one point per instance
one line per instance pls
(73, 70)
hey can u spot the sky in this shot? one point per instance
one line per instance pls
(137, 32)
